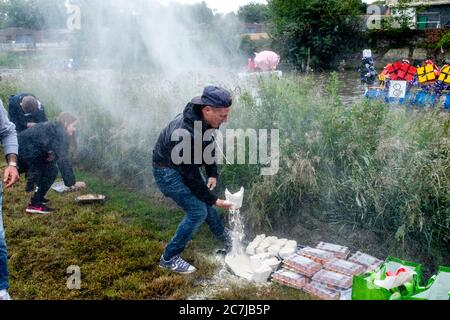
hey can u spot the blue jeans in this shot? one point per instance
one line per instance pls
(3, 253)
(171, 185)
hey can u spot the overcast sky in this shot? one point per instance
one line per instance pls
(225, 6)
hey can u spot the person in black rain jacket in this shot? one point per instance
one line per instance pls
(43, 149)
(25, 111)
(182, 181)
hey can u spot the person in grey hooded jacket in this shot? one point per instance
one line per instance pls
(8, 137)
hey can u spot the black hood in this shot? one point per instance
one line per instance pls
(193, 113)
(190, 172)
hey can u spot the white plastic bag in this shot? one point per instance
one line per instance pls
(396, 279)
(236, 198)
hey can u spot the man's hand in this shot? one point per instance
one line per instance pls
(11, 176)
(212, 183)
(30, 125)
(78, 186)
(223, 204)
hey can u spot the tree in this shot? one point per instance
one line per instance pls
(201, 13)
(32, 14)
(248, 46)
(403, 15)
(314, 32)
(253, 13)
(148, 36)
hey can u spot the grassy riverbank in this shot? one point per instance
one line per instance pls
(117, 247)
(363, 174)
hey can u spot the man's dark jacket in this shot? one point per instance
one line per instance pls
(189, 172)
(36, 143)
(18, 116)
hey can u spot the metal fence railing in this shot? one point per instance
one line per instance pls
(429, 25)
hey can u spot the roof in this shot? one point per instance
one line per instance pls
(418, 3)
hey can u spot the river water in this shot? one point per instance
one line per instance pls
(350, 90)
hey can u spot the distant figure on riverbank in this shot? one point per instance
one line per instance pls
(367, 70)
(251, 67)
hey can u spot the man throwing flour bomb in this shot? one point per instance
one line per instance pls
(182, 180)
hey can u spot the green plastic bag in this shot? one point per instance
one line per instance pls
(438, 287)
(365, 289)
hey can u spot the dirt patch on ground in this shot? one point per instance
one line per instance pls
(356, 240)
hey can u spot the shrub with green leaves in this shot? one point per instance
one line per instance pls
(444, 42)
(385, 168)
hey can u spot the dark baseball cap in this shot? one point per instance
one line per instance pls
(214, 97)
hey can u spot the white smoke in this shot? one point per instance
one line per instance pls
(141, 62)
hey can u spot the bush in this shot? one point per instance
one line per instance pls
(248, 46)
(314, 33)
(363, 164)
(13, 60)
(444, 42)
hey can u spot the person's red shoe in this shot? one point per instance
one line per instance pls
(38, 209)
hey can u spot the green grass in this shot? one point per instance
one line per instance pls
(116, 245)
(374, 178)
(14, 60)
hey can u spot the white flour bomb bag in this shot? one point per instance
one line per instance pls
(236, 198)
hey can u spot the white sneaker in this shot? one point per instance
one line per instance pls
(177, 264)
(4, 295)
